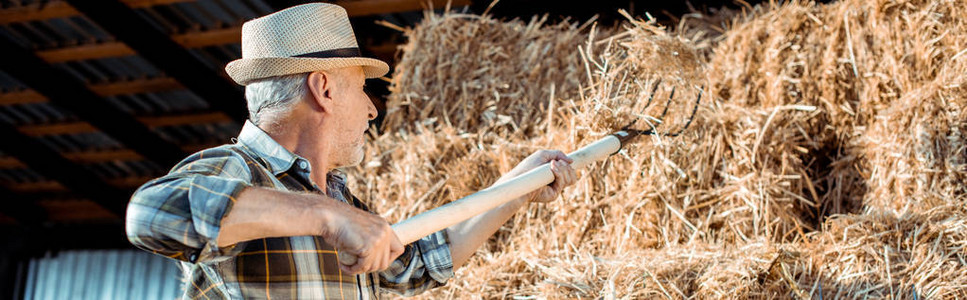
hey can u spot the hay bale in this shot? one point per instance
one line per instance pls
(474, 73)
(870, 255)
(854, 108)
(886, 78)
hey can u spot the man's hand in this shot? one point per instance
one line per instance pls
(469, 235)
(564, 175)
(364, 235)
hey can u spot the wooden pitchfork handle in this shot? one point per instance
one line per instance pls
(421, 225)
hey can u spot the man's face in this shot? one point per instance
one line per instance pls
(351, 115)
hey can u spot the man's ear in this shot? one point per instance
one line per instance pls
(320, 87)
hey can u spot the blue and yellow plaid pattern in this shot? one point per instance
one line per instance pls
(178, 216)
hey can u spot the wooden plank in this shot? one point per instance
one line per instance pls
(21, 97)
(378, 7)
(149, 3)
(9, 162)
(197, 39)
(75, 210)
(56, 128)
(60, 9)
(50, 186)
(150, 121)
(104, 90)
(91, 157)
(85, 51)
(185, 119)
(84, 157)
(214, 37)
(151, 85)
(36, 11)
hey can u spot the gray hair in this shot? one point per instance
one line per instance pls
(274, 95)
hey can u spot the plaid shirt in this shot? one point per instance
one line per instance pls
(178, 216)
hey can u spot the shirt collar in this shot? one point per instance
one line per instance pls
(278, 158)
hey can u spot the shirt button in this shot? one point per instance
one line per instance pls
(304, 165)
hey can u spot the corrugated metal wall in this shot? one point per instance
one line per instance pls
(103, 274)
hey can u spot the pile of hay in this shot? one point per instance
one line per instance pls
(475, 73)
(828, 157)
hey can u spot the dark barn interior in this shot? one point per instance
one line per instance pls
(98, 97)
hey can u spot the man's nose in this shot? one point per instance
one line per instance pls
(373, 113)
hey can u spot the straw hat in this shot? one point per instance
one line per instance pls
(300, 39)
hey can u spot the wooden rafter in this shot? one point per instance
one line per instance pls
(135, 86)
(196, 39)
(354, 8)
(230, 35)
(103, 89)
(90, 157)
(150, 121)
(59, 9)
(21, 97)
(378, 7)
(122, 183)
(85, 51)
(76, 210)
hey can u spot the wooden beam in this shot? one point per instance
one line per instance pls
(21, 97)
(359, 8)
(214, 37)
(57, 128)
(60, 9)
(8, 162)
(135, 86)
(124, 183)
(149, 3)
(85, 51)
(150, 121)
(197, 39)
(150, 85)
(36, 11)
(92, 157)
(185, 119)
(378, 7)
(76, 210)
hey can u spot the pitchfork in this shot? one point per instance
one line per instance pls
(421, 225)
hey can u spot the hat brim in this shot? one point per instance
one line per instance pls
(247, 70)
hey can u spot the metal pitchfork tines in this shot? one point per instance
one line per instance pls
(628, 132)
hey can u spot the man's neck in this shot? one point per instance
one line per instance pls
(308, 144)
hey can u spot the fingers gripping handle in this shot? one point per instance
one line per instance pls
(346, 258)
(419, 226)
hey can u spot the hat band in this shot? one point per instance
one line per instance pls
(342, 52)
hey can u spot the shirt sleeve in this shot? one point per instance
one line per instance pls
(179, 215)
(425, 264)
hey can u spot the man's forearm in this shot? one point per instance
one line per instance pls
(261, 213)
(467, 236)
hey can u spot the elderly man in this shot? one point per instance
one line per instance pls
(265, 217)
